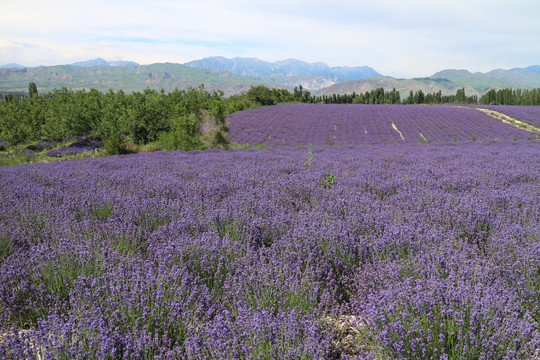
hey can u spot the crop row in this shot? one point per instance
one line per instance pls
(291, 124)
(293, 252)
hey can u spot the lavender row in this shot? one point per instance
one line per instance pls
(529, 114)
(293, 252)
(290, 124)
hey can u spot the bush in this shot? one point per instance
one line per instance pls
(262, 95)
(178, 140)
(115, 144)
(184, 136)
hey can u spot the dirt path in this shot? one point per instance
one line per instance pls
(400, 134)
(510, 120)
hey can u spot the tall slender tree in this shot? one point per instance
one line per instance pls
(32, 89)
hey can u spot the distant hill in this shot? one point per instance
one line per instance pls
(165, 76)
(8, 66)
(523, 78)
(102, 62)
(447, 81)
(283, 73)
(427, 85)
(534, 68)
(239, 74)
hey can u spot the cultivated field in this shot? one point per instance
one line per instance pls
(292, 124)
(407, 251)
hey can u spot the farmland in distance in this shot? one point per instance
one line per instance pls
(293, 124)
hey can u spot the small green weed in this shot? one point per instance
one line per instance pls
(328, 181)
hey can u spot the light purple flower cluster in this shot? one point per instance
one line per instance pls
(381, 251)
(291, 124)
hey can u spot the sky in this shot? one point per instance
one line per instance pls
(397, 38)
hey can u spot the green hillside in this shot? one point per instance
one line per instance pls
(165, 76)
(404, 86)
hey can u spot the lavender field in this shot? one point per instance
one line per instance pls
(409, 251)
(292, 124)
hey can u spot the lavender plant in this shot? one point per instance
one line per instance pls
(389, 252)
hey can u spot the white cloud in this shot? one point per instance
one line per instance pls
(414, 38)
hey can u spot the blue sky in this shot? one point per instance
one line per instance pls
(397, 38)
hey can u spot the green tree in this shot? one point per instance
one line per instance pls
(460, 96)
(419, 97)
(185, 135)
(218, 112)
(410, 99)
(148, 115)
(262, 95)
(32, 90)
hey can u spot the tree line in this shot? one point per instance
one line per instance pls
(265, 96)
(511, 97)
(168, 120)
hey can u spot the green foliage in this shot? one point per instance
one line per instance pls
(220, 140)
(32, 89)
(185, 135)
(148, 115)
(511, 97)
(139, 121)
(460, 96)
(261, 95)
(328, 181)
(115, 144)
(376, 96)
(218, 112)
(419, 97)
(71, 114)
(17, 157)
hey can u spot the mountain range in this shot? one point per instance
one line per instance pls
(446, 81)
(289, 67)
(102, 62)
(166, 76)
(239, 74)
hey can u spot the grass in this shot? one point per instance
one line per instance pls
(16, 155)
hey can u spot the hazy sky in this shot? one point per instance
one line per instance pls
(397, 38)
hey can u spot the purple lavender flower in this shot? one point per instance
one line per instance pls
(411, 251)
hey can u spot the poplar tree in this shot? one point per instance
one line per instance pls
(32, 89)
